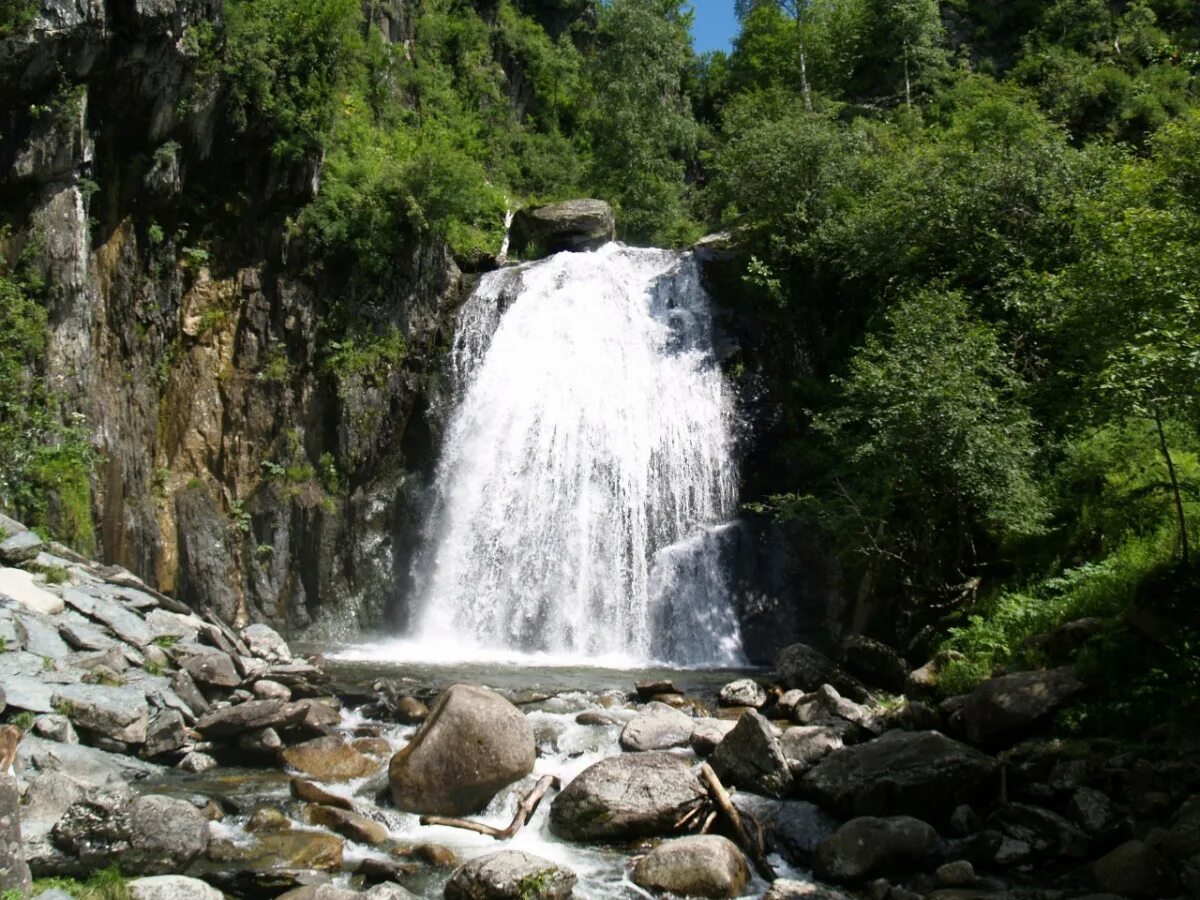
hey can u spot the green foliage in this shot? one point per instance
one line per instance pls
(45, 466)
(105, 884)
(16, 16)
(367, 355)
(23, 720)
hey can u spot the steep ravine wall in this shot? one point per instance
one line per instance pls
(237, 467)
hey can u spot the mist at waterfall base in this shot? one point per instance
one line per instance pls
(587, 476)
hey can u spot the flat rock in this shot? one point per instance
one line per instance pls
(790, 889)
(20, 586)
(920, 773)
(510, 875)
(349, 825)
(118, 713)
(329, 759)
(40, 635)
(750, 758)
(657, 727)
(311, 793)
(626, 797)
(253, 715)
(123, 622)
(473, 744)
(702, 865)
(85, 765)
(81, 634)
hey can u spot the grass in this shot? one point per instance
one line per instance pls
(106, 884)
(995, 635)
(52, 574)
(23, 720)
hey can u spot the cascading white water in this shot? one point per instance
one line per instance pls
(587, 467)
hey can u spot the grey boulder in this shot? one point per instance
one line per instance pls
(657, 727)
(510, 875)
(172, 887)
(751, 759)
(626, 797)
(1003, 710)
(870, 846)
(572, 225)
(703, 865)
(743, 692)
(474, 744)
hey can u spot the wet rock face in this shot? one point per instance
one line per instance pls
(625, 797)
(474, 744)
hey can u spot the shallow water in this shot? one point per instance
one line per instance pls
(551, 697)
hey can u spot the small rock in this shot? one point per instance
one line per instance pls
(435, 855)
(329, 759)
(510, 875)
(388, 891)
(870, 846)
(372, 746)
(1045, 831)
(196, 762)
(311, 793)
(348, 824)
(54, 727)
(411, 711)
(788, 889)
(213, 668)
(708, 734)
(657, 727)
(1092, 811)
(166, 734)
(263, 742)
(957, 874)
(806, 745)
(696, 866)
(964, 821)
(744, 692)
(320, 892)
(272, 690)
(750, 758)
(647, 690)
(21, 547)
(268, 818)
(172, 887)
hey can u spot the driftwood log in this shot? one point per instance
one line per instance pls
(750, 841)
(525, 810)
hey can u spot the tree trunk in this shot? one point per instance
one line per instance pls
(1166, 452)
(907, 79)
(804, 81)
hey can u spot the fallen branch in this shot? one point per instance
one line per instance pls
(724, 804)
(525, 810)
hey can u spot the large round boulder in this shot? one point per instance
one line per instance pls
(919, 773)
(701, 865)
(473, 744)
(625, 797)
(510, 875)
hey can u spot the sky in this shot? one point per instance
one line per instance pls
(715, 25)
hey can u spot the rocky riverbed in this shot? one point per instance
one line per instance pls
(204, 759)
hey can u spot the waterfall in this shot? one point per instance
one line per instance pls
(587, 469)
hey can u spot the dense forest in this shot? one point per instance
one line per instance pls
(967, 244)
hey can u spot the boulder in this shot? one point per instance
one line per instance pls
(921, 773)
(657, 727)
(329, 759)
(272, 690)
(806, 745)
(703, 865)
(108, 610)
(573, 225)
(14, 871)
(1135, 869)
(473, 744)
(388, 891)
(1003, 710)
(117, 713)
(172, 887)
(1183, 839)
(166, 733)
(510, 875)
(743, 692)
(411, 711)
(875, 663)
(253, 715)
(626, 797)
(750, 758)
(320, 892)
(1093, 811)
(870, 846)
(268, 818)
(958, 873)
(19, 586)
(213, 668)
(801, 667)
